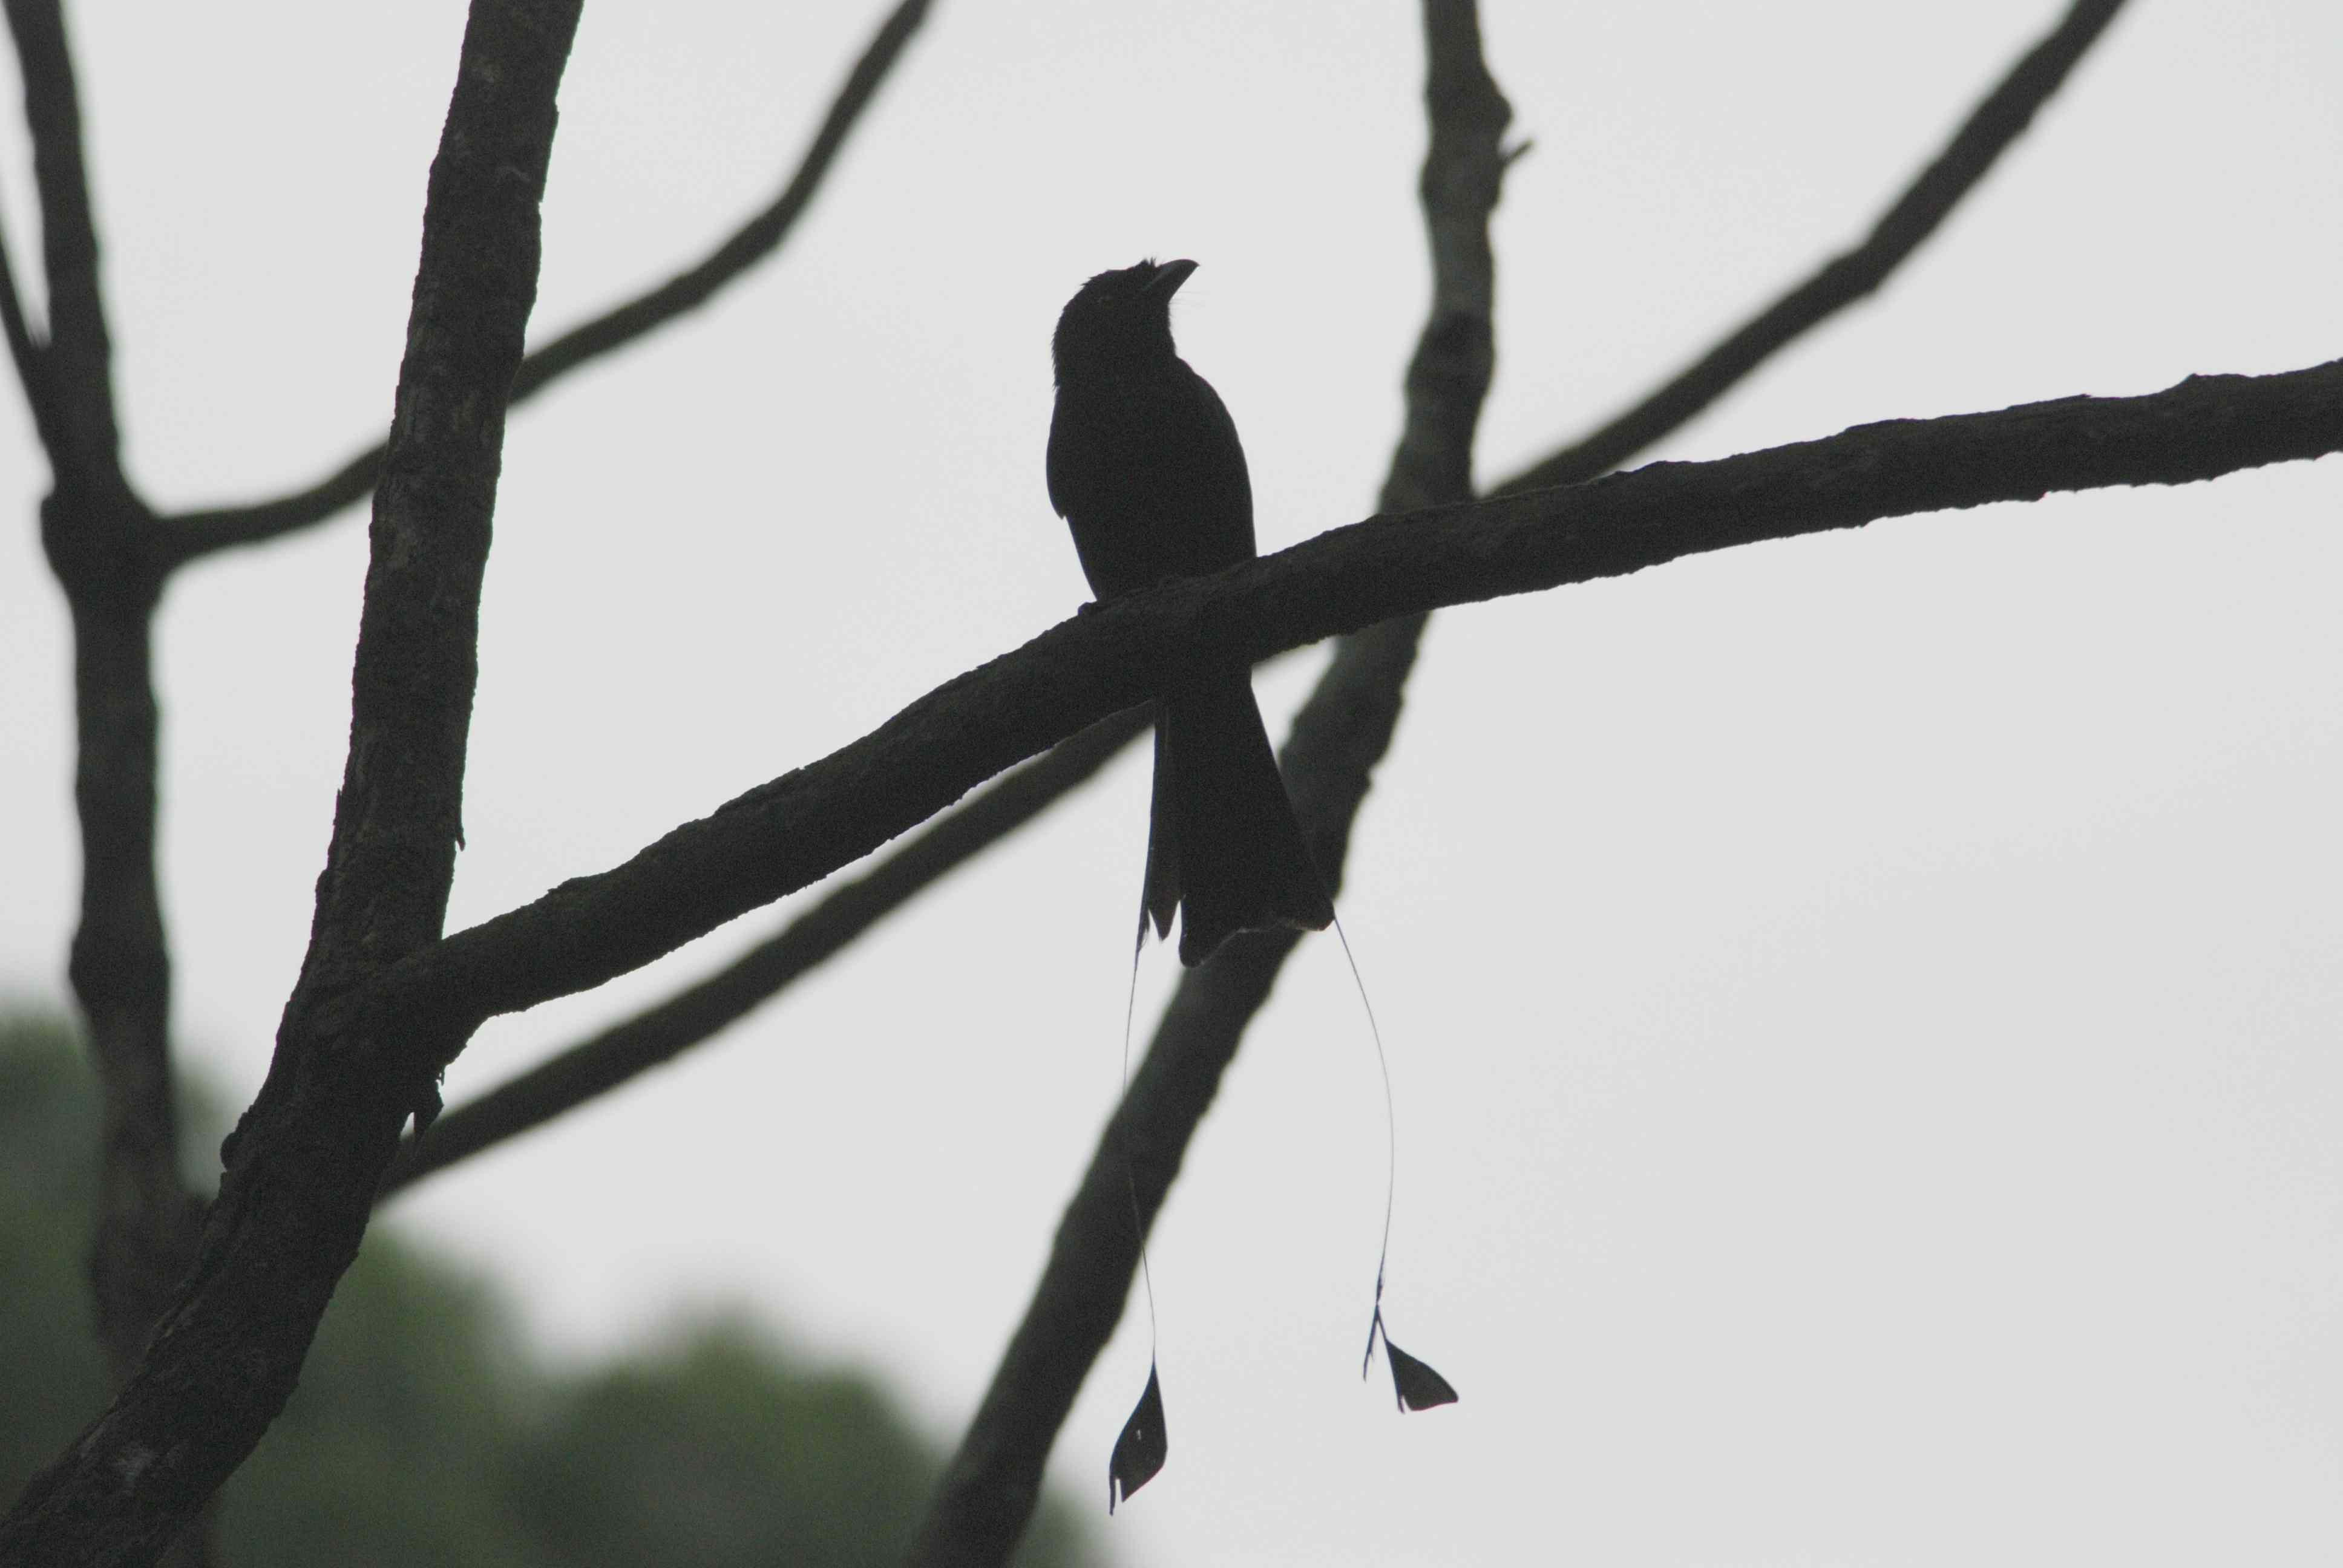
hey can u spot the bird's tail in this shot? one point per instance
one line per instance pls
(1221, 838)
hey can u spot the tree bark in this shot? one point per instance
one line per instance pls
(296, 1196)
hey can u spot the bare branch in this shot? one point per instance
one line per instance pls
(22, 350)
(660, 1033)
(200, 533)
(2000, 119)
(194, 535)
(99, 539)
(988, 1493)
(757, 238)
(1456, 354)
(795, 829)
(77, 362)
(297, 1189)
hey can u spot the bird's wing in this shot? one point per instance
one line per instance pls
(1220, 485)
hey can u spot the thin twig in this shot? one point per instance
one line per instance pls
(660, 1033)
(202, 532)
(22, 350)
(1998, 120)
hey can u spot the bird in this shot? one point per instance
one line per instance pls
(1145, 466)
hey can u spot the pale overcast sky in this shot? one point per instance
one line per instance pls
(1864, 1010)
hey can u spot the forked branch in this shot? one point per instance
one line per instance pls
(199, 533)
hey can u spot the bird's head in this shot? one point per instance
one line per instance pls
(1118, 320)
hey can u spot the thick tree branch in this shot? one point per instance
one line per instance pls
(795, 829)
(199, 533)
(295, 1195)
(1998, 120)
(987, 1494)
(660, 1033)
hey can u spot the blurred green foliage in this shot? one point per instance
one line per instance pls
(423, 1436)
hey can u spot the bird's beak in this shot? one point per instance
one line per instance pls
(1168, 277)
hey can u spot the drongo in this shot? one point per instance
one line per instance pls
(1146, 468)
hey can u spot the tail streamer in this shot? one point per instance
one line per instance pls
(1143, 1445)
(1414, 1382)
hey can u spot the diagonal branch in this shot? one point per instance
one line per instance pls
(200, 533)
(987, 1494)
(661, 1033)
(1998, 120)
(23, 351)
(786, 834)
(295, 1198)
(757, 238)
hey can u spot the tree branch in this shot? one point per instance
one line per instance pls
(757, 238)
(660, 1033)
(199, 533)
(795, 829)
(989, 1492)
(78, 359)
(1998, 120)
(22, 350)
(100, 542)
(296, 1193)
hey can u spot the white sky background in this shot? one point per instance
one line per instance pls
(1864, 1010)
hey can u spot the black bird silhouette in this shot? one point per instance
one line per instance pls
(1146, 468)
